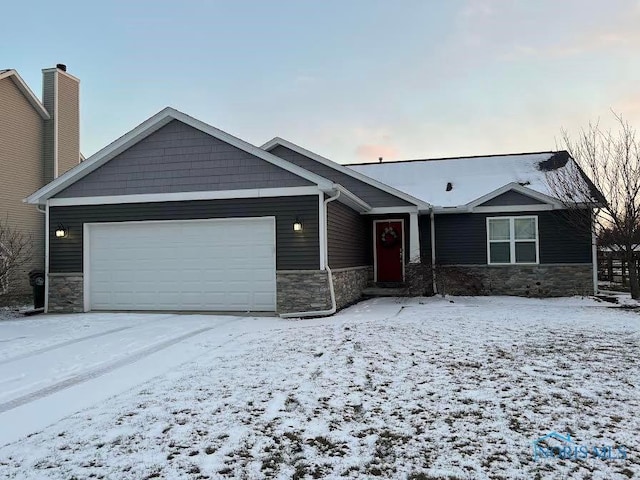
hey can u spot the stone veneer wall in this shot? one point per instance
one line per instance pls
(418, 278)
(65, 293)
(348, 284)
(520, 280)
(298, 290)
(302, 291)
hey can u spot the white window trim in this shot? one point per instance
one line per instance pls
(512, 240)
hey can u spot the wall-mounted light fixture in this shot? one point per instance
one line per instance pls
(61, 231)
(297, 225)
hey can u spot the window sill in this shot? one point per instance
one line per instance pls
(527, 264)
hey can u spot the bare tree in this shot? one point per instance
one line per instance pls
(16, 251)
(607, 180)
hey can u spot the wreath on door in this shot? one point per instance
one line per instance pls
(389, 237)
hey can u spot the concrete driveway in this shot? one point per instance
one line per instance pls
(54, 365)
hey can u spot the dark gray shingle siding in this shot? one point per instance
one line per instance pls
(180, 158)
(511, 198)
(294, 250)
(372, 195)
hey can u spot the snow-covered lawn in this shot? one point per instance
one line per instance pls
(413, 388)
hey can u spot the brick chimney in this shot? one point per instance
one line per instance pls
(61, 98)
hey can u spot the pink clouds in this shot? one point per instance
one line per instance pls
(370, 153)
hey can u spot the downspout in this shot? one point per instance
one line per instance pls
(46, 254)
(433, 251)
(332, 310)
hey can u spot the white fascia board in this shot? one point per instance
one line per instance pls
(271, 144)
(352, 200)
(145, 129)
(99, 158)
(448, 210)
(388, 210)
(495, 209)
(514, 208)
(514, 186)
(26, 91)
(185, 196)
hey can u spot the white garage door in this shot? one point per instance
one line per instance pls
(226, 265)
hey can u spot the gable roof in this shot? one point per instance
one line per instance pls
(277, 141)
(26, 91)
(515, 187)
(473, 180)
(145, 129)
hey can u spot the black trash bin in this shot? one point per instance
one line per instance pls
(36, 279)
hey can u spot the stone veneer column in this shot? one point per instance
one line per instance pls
(302, 291)
(66, 293)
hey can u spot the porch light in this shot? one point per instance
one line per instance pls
(297, 225)
(61, 231)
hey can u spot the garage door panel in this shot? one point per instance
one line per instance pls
(264, 276)
(222, 265)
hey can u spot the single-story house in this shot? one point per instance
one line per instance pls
(178, 215)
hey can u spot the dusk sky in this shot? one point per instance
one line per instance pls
(352, 79)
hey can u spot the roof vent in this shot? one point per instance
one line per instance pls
(524, 184)
(61, 66)
(380, 159)
(449, 186)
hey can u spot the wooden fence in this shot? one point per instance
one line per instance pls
(612, 267)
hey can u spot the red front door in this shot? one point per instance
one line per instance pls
(389, 258)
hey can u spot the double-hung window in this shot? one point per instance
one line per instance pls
(512, 240)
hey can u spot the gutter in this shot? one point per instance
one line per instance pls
(332, 310)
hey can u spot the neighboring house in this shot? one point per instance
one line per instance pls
(39, 139)
(178, 215)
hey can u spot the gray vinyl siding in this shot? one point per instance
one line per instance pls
(294, 250)
(461, 239)
(511, 198)
(370, 194)
(180, 158)
(565, 237)
(424, 225)
(48, 100)
(349, 240)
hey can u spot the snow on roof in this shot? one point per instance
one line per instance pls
(470, 177)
